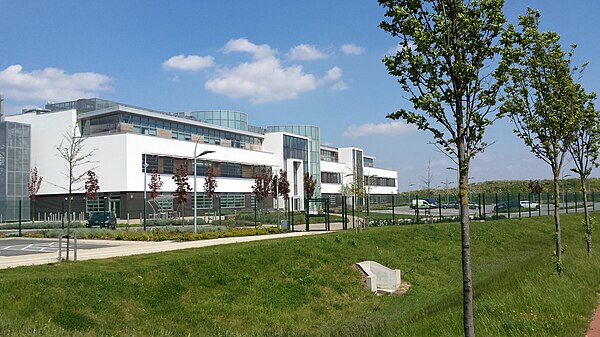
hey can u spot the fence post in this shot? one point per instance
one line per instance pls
(20, 216)
(496, 208)
(483, 205)
(417, 207)
(393, 211)
(593, 201)
(575, 201)
(548, 202)
(508, 203)
(440, 206)
(529, 196)
(566, 202)
(540, 204)
(519, 201)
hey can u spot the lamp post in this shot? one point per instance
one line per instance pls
(368, 188)
(195, 191)
(145, 165)
(409, 185)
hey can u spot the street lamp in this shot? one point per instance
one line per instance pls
(145, 165)
(368, 188)
(195, 191)
(409, 185)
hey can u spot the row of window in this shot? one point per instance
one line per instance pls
(158, 127)
(168, 165)
(331, 156)
(331, 178)
(379, 181)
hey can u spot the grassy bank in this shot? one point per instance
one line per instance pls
(306, 287)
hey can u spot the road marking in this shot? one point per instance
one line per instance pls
(26, 247)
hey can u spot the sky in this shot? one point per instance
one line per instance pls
(283, 62)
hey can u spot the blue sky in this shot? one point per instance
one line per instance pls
(282, 62)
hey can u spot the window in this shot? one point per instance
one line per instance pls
(232, 200)
(167, 165)
(330, 178)
(204, 201)
(95, 205)
(231, 170)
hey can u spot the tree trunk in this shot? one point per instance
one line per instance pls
(558, 252)
(463, 167)
(586, 215)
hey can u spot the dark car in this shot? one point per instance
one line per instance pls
(452, 204)
(506, 205)
(102, 220)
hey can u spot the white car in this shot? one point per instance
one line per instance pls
(529, 205)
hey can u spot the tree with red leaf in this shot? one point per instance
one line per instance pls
(33, 186)
(91, 185)
(182, 190)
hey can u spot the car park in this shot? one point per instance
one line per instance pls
(455, 205)
(102, 220)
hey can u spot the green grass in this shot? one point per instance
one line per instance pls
(306, 287)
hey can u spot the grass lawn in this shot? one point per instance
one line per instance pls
(306, 287)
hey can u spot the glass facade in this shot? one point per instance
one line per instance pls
(314, 148)
(227, 118)
(368, 162)
(327, 155)
(15, 154)
(132, 123)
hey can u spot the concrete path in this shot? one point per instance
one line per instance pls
(114, 248)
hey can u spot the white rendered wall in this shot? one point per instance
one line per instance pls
(382, 173)
(117, 158)
(47, 132)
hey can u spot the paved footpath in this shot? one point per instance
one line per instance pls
(114, 248)
(594, 329)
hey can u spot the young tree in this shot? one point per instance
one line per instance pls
(283, 185)
(541, 99)
(261, 189)
(71, 149)
(428, 180)
(33, 186)
(309, 185)
(91, 185)
(262, 184)
(210, 182)
(182, 190)
(584, 150)
(154, 186)
(444, 62)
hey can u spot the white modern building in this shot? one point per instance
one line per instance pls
(122, 137)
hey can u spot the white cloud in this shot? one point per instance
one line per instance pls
(305, 52)
(266, 78)
(391, 128)
(189, 63)
(339, 86)
(352, 49)
(51, 84)
(243, 45)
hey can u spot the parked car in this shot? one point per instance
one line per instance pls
(452, 204)
(523, 204)
(421, 204)
(529, 205)
(102, 220)
(432, 202)
(455, 205)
